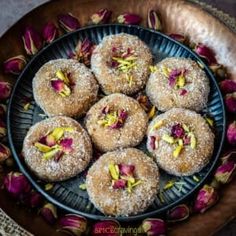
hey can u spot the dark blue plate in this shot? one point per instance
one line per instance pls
(67, 194)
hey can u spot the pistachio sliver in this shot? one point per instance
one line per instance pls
(114, 172)
(181, 81)
(151, 113)
(193, 141)
(167, 138)
(57, 133)
(51, 153)
(136, 183)
(177, 150)
(130, 179)
(158, 124)
(60, 75)
(129, 187)
(69, 129)
(185, 127)
(42, 148)
(83, 186)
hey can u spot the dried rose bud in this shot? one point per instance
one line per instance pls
(106, 228)
(32, 199)
(153, 20)
(177, 131)
(127, 170)
(49, 213)
(119, 184)
(178, 37)
(5, 152)
(205, 52)
(14, 65)
(3, 110)
(219, 70)
(229, 156)
(5, 90)
(129, 19)
(231, 133)
(230, 102)
(50, 32)
(225, 172)
(73, 224)
(101, 17)
(154, 226)
(68, 22)
(16, 184)
(178, 213)
(66, 144)
(3, 129)
(32, 41)
(228, 86)
(207, 197)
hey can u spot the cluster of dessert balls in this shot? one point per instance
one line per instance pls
(124, 180)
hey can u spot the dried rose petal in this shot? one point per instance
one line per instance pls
(177, 131)
(153, 20)
(73, 224)
(102, 16)
(14, 65)
(32, 41)
(16, 184)
(58, 85)
(106, 228)
(183, 92)
(178, 213)
(4, 152)
(228, 86)
(178, 37)
(3, 109)
(50, 32)
(231, 133)
(126, 170)
(49, 213)
(154, 226)
(186, 140)
(206, 198)
(225, 172)
(129, 19)
(230, 102)
(68, 22)
(152, 142)
(122, 115)
(105, 110)
(173, 76)
(66, 144)
(5, 90)
(205, 52)
(119, 184)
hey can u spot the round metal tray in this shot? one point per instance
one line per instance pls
(67, 194)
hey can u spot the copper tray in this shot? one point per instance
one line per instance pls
(206, 224)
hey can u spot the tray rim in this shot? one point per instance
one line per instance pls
(101, 217)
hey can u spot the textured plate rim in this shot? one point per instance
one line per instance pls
(140, 216)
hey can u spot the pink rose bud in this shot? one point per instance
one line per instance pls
(230, 102)
(154, 227)
(14, 65)
(73, 224)
(229, 156)
(50, 32)
(101, 17)
(228, 86)
(153, 20)
(178, 37)
(225, 172)
(207, 197)
(231, 133)
(129, 19)
(32, 41)
(206, 53)
(49, 213)
(68, 22)
(16, 184)
(5, 90)
(3, 110)
(126, 170)
(178, 213)
(3, 129)
(5, 152)
(106, 228)
(32, 199)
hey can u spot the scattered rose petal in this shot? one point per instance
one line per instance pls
(230, 102)
(178, 213)
(126, 170)
(206, 53)
(177, 131)
(183, 92)
(66, 144)
(129, 19)
(68, 22)
(50, 32)
(153, 20)
(5, 90)
(32, 41)
(101, 17)
(228, 86)
(14, 65)
(231, 133)
(154, 226)
(49, 213)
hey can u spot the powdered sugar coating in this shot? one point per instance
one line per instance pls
(132, 132)
(118, 202)
(84, 92)
(70, 164)
(190, 160)
(164, 97)
(110, 79)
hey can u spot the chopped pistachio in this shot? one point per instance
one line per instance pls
(167, 138)
(157, 125)
(57, 133)
(193, 141)
(42, 148)
(180, 142)
(66, 91)
(195, 178)
(200, 65)
(185, 127)
(177, 150)
(209, 121)
(153, 69)
(83, 186)
(169, 184)
(114, 171)
(48, 186)
(161, 197)
(60, 75)
(69, 129)
(51, 153)
(136, 183)
(128, 178)
(151, 113)
(181, 81)
(129, 187)
(165, 70)
(26, 106)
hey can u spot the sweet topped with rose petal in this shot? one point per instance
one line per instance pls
(123, 182)
(178, 82)
(121, 64)
(57, 148)
(181, 141)
(116, 121)
(64, 87)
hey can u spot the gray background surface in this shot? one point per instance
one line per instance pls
(13, 10)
